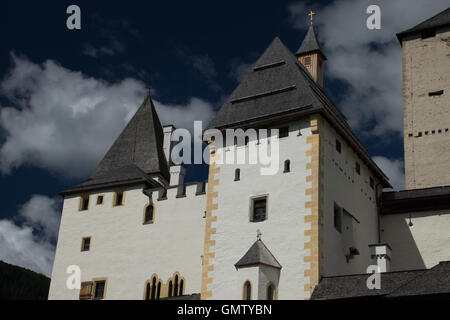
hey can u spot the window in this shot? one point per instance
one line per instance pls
(99, 289)
(428, 34)
(118, 198)
(86, 244)
(148, 214)
(247, 292)
(247, 139)
(436, 93)
(338, 146)
(337, 218)
(84, 203)
(372, 183)
(99, 199)
(170, 288)
(287, 166)
(181, 287)
(307, 61)
(357, 168)
(175, 290)
(283, 132)
(147, 291)
(86, 290)
(259, 209)
(237, 174)
(270, 292)
(153, 290)
(158, 290)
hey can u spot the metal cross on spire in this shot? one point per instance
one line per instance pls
(311, 14)
(258, 234)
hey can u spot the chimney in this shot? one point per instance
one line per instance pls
(381, 256)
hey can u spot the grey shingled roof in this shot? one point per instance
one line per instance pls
(258, 254)
(135, 155)
(310, 43)
(439, 20)
(394, 285)
(280, 88)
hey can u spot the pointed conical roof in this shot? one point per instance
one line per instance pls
(279, 88)
(310, 43)
(136, 153)
(439, 20)
(258, 254)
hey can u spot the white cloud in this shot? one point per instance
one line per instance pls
(393, 168)
(31, 244)
(64, 121)
(369, 61)
(43, 214)
(239, 69)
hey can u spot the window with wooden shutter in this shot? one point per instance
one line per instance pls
(86, 290)
(259, 209)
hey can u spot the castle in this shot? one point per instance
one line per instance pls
(137, 231)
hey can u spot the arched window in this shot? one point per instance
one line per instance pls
(247, 139)
(147, 291)
(287, 166)
(237, 174)
(158, 291)
(148, 214)
(181, 287)
(270, 292)
(247, 295)
(170, 288)
(175, 290)
(153, 293)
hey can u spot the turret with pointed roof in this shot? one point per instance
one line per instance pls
(135, 157)
(311, 56)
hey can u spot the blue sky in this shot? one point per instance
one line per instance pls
(66, 94)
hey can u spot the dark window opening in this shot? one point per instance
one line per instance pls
(307, 61)
(237, 174)
(84, 203)
(99, 199)
(247, 139)
(270, 292)
(358, 168)
(287, 166)
(86, 244)
(372, 183)
(338, 146)
(147, 291)
(153, 293)
(158, 291)
(119, 198)
(99, 290)
(284, 132)
(175, 290)
(337, 218)
(148, 217)
(170, 288)
(181, 287)
(259, 210)
(247, 291)
(436, 93)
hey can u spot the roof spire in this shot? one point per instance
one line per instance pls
(311, 14)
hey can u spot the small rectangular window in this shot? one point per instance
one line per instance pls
(338, 146)
(99, 289)
(86, 244)
(259, 209)
(372, 183)
(99, 199)
(307, 61)
(84, 203)
(436, 93)
(284, 132)
(357, 168)
(337, 218)
(118, 198)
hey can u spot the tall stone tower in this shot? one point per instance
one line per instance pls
(426, 102)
